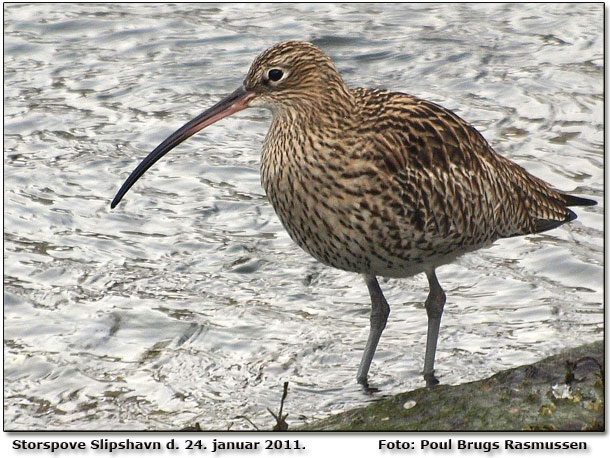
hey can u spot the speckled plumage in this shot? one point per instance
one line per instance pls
(384, 183)
(377, 182)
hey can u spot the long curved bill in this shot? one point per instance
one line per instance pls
(233, 103)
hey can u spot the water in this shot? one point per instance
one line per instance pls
(189, 303)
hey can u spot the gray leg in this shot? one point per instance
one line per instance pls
(379, 315)
(434, 308)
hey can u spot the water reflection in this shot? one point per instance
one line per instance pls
(190, 303)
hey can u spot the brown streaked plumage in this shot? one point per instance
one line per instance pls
(378, 182)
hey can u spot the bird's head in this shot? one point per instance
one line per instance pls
(292, 74)
(289, 75)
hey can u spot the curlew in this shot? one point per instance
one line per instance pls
(377, 182)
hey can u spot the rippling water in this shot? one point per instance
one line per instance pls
(189, 303)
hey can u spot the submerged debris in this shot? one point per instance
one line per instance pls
(280, 420)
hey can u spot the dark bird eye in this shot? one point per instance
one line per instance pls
(275, 74)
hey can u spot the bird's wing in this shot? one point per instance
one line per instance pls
(450, 177)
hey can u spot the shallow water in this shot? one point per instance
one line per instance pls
(188, 302)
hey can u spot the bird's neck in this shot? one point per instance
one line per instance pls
(325, 111)
(297, 140)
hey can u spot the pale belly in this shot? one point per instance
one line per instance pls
(349, 232)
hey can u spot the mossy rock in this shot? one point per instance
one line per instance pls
(560, 393)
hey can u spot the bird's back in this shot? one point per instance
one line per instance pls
(451, 174)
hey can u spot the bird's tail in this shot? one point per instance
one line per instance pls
(574, 201)
(542, 225)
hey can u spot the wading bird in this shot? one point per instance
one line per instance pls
(377, 182)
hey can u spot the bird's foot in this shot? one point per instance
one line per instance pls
(430, 379)
(363, 381)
